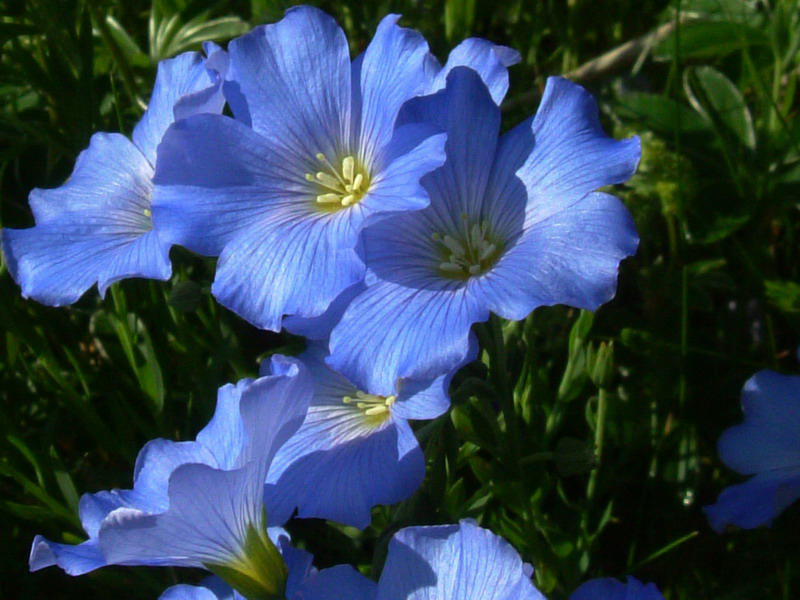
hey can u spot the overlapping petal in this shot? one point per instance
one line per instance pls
(457, 562)
(766, 445)
(414, 318)
(341, 463)
(612, 589)
(194, 503)
(97, 228)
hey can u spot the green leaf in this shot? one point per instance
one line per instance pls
(784, 294)
(708, 39)
(718, 100)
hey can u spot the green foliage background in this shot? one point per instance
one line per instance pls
(589, 468)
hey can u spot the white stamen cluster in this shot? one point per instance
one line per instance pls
(340, 187)
(468, 253)
(371, 405)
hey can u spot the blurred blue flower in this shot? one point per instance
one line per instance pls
(282, 192)
(514, 223)
(612, 589)
(97, 227)
(767, 446)
(354, 450)
(199, 504)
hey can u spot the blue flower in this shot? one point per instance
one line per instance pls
(446, 562)
(514, 223)
(457, 562)
(354, 450)
(199, 504)
(611, 589)
(767, 446)
(97, 227)
(309, 584)
(282, 192)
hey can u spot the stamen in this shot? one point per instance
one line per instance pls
(148, 213)
(372, 405)
(344, 185)
(468, 252)
(454, 246)
(348, 168)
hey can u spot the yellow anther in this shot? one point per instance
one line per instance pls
(320, 156)
(376, 410)
(309, 177)
(347, 399)
(436, 236)
(454, 246)
(148, 213)
(328, 198)
(357, 182)
(348, 200)
(474, 269)
(328, 180)
(451, 267)
(348, 168)
(488, 251)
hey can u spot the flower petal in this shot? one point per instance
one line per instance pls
(93, 229)
(338, 466)
(293, 79)
(319, 328)
(755, 502)
(489, 60)
(73, 559)
(572, 156)
(216, 177)
(457, 562)
(571, 258)
(608, 588)
(392, 71)
(178, 77)
(769, 438)
(471, 119)
(347, 582)
(393, 331)
(415, 150)
(188, 592)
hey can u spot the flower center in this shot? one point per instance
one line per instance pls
(376, 408)
(339, 188)
(468, 252)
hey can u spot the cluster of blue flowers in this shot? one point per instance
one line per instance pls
(372, 206)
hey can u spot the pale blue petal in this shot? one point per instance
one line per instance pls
(611, 589)
(188, 592)
(225, 436)
(571, 156)
(755, 502)
(320, 327)
(73, 559)
(769, 438)
(286, 266)
(457, 562)
(415, 150)
(337, 466)
(394, 331)
(207, 521)
(111, 174)
(215, 178)
(570, 258)
(489, 60)
(392, 71)
(341, 581)
(93, 229)
(177, 77)
(292, 79)
(466, 111)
